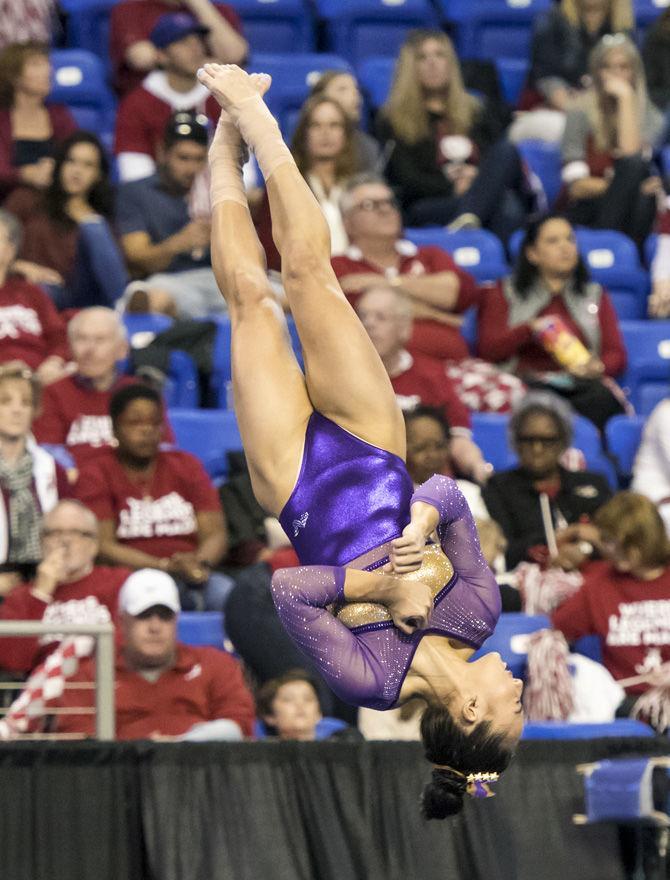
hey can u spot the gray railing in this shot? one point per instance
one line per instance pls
(104, 661)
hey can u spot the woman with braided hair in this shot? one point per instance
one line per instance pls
(384, 616)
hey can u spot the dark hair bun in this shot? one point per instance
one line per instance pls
(443, 796)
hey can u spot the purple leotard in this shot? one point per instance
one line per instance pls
(367, 665)
(350, 496)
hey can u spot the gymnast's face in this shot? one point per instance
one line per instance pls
(491, 693)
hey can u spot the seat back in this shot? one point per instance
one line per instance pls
(477, 251)
(647, 375)
(510, 639)
(208, 434)
(623, 435)
(277, 25)
(375, 76)
(620, 727)
(493, 28)
(202, 628)
(78, 81)
(545, 161)
(88, 26)
(357, 29)
(292, 79)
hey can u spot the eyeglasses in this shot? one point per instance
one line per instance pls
(389, 203)
(67, 533)
(532, 439)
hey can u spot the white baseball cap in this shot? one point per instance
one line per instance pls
(148, 587)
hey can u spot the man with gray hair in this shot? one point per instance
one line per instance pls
(438, 289)
(75, 421)
(68, 586)
(386, 314)
(31, 330)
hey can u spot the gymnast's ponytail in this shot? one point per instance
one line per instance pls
(457, 755)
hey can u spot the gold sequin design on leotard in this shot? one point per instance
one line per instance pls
(436, 571)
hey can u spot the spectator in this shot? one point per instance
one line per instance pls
(625, 599)
(68, 587)
(158, 237)
(540, 431)
(68, 230)
(253, 535)
(26, 21)
(651, 469)
(326, 154)
(30, 480)
(342, 86)
(386, 314)
(164, 689)
(290, 709)
(606, 147)
(31, 330)
(447, 160)
(29, 129)
(656, 57)
(74, 421)
(439, 290)
(552, 326)
(156, 509)
(144, 113)
(428, 453)
(563, 38)
(133, 53)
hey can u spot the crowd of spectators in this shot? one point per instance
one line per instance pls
(103, 518)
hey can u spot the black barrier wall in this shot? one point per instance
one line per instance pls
(292, 811)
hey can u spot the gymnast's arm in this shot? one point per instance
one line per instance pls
(440, 504)
(302, 595)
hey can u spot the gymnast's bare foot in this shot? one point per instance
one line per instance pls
(231, 85)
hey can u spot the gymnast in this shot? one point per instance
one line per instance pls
(384, 615)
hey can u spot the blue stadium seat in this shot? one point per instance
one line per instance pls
(219, 380)
(545, 161)
(510, 639)
(357, 29)
(512, 73)
(623, 434)
(647, 376)
(207, 433)
(489, 432)
(277, 25)
(477, 251)
(292, 79)
(181, 387)
(571, 730)
(78, 80)
(492, 28)
(325, 728)
(88, 26)
(145, 323)
(201, 628)
(647, 11)
(375, 76)
(650, 246)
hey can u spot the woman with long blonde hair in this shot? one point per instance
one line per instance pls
(445, 156)
(607, 144)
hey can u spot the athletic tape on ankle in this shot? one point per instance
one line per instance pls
(261, 132)
(225, 162)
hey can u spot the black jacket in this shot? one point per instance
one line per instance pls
(514, 503)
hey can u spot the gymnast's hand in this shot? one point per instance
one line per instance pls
(409, 604)
(407, 551)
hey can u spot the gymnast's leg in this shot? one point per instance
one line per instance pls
(271, 399)
(346, 380)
